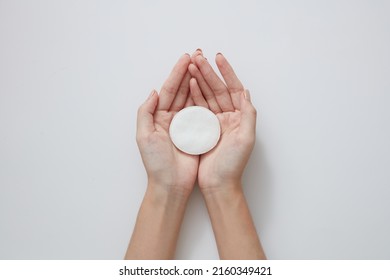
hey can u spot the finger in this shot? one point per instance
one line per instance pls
(182, 94)
(196, 94)
(205, 89)
(189, 102)
(195, 54)
(233, 83)
(145, 123)
(172, 84)
(219, 89)
(248, 116)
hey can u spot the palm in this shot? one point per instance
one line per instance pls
(219, 163)
(175, 165)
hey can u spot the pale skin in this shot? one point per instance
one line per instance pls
(219, 172)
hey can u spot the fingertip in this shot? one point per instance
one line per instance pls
(245, 96)
(199, 59)
(150, 103)
(249, 116)
(192, 69)
(194, 87)
(242, 96)
(219, 58)
(186, 57)
(151, 95)
(193, 84)
(153, 98)
(197, 52)
(247, 103)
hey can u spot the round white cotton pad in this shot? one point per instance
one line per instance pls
(195, 130)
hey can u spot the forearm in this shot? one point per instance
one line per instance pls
(233, 226)
(158, 224)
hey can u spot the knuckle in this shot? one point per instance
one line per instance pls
(219, 91)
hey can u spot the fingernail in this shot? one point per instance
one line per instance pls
(247, 95)
(219, 54)
(199, 50)
(187, 54)
(152, 93)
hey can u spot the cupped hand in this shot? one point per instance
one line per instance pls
(165, 165)
(222, 167)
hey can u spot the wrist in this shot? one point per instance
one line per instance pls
(161, 193)
(222, 192)
(221, 187)
(231, 220)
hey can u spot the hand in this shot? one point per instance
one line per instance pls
(222, 167)
(165, 165)
(160, 216)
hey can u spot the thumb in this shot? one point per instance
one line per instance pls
(145, 123)
(248, 115)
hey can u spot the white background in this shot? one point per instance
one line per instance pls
(73, 73)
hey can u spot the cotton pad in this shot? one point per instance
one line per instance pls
(195, 130)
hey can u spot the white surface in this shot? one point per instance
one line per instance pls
(73, 73)
(195, 130)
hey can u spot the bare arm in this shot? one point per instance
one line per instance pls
(233, 227)
(158, 225)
